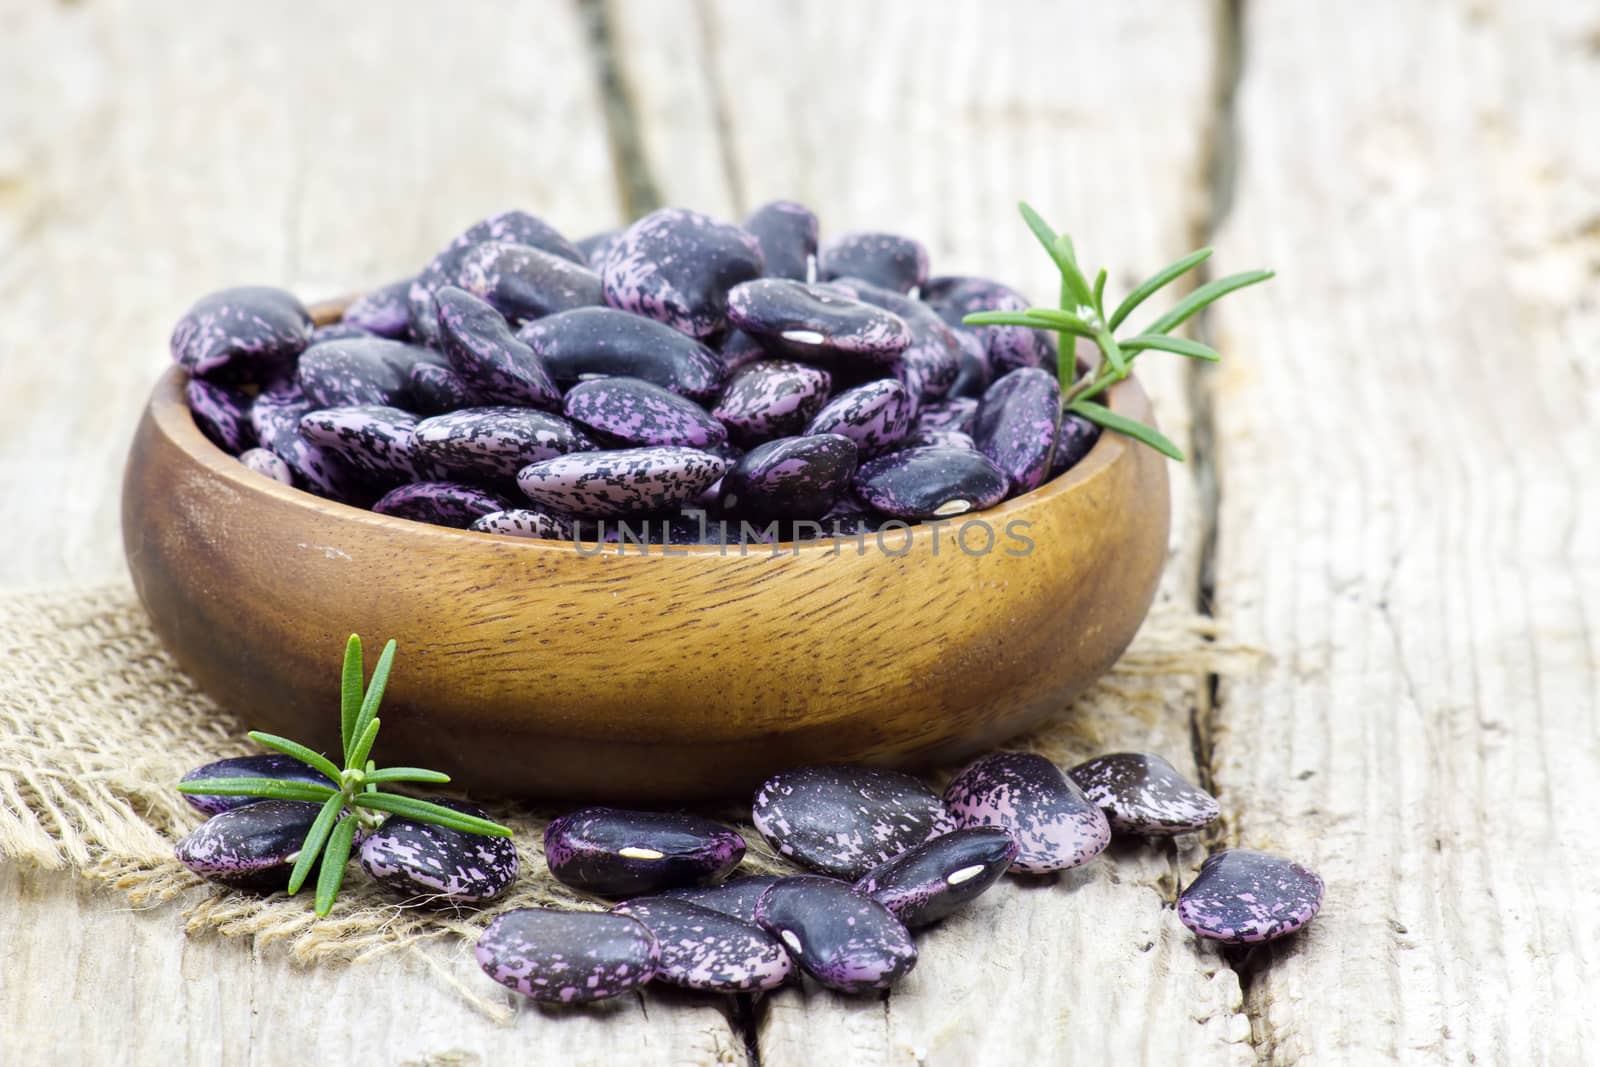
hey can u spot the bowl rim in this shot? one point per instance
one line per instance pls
(168, 407)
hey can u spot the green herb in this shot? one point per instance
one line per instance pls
(352, 791)
(1083, 314)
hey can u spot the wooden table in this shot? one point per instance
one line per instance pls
(1390, 489)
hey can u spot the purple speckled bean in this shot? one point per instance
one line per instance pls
(252, 847)
(876, 416)
(956, 413)
(603, 342)
(494, 442)
(850, 518)
(382, 311)
(1015, 425)
(885, 259)
(844, 820)
(787, 234)
(736, 897)
(264, 462)
(632, 411)
(926, 483)
(930, 364)
(708, 950)
(444, 269)
(286, 768)
(497, 366)
(360, 370)
(1241, 895)
(771, 398)
(1008, 347)
(597, 246)
(337, 331)
(941, 439)
(617, 853)
(567, 957)
(222, 413)
(817, 324)
(621, 482)
(435, 388)
(377, 440)
(1055, 825)
(522, 282)
(436, 863)
(441, 503)
(739, 348)
(790, 478)
(676, 266)
(924, 884)
(526, 522)
(243, 334)
(276, 416)
(846, 941)
(1144, 794)
(974, 374)
(1074, 440)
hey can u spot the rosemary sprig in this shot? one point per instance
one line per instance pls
(351, 799)
(1083, 314)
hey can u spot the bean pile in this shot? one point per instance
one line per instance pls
(888, 856)
(522, 384)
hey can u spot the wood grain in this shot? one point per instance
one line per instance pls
(1410, 520)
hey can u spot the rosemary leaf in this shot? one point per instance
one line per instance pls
(407, 774)
(350, 693)
(1104, 416)
(272, 788)
(334, 860)
(1206, 294)
(423, 811)
(315, 839)
(1027, 318)
(364, 743)
(1156, 281)
(316, 760)
(369, 706)
(1176, 345)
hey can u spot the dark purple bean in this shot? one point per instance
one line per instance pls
(676, 266)
(360, 370)
(736, 897)
(379, 441)
(567, 957)
(337, 331)
(927, 483)
(739, 348)
(1008, 347)
(1016, 426)
(844, 940)
(603, 342)
(885, 259)
(844, 820)
(276, 416)
(956, 413)
(632, 411)
(382, 311)
(817, 325)
(876, 416)
(850, 518)
(772, 398)
(596, 246)
(435, 388)
(522, 282)
(518, 227)
(1144, 794)
(708, 950)
(244, 334)
(787, 233)
(974, 374)
(1241, 895)
(444, 866)
(1055, 825)
(441, 503)
(924, 884)
(253, 847)
(1074, 439)
(494, 442)
(264, 462)
(497, 366)
(930, 364)
(285, 768)
(618, 853)
(941, 439)
(622, 482)
(526, 522)
(790, 478)
(222, 413)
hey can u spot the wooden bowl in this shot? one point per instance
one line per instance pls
(529, 669)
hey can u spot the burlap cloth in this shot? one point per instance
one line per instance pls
(97, 723)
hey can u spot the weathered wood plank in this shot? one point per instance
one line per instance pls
(934, 122)
(150, 152)
(1409, 522)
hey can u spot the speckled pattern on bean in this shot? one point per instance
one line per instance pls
(924, 884)
(676, 266)
(436, 388)
(1056, 827)
(222, 413)
(816, 324)
(264, 462)
(930, 482)
(495, 442)
(522, 282)
(497, 367)
(273, 765)
(930, 363)
(597, 246)
(1008, 347)
(876, 416)
(377, 440)
(602, 342)
(1015, 425)
(620, 482)
(941, 439)
(845, 820)
(518, 227)
(1074, 440)
(615, 852)
(736, 896)
(790, 478)
(954, 414)
(1142, 793)
(787, 234)
(382, 311)
(709, 950)
(885, 259)
(441, 865)
(739, 348)
(771, 398)
(567, 957)
(337, 331)
(1241, 896)
(244, 333)
(844, 940)
(252, 847)
(360, 370)
(276, 416)
(526, 522)
(440, 503)
(632, 412)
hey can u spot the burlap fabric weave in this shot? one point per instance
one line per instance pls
(97, 724)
